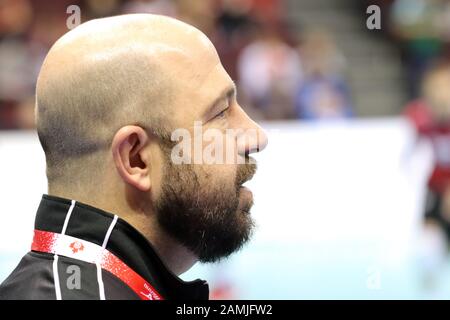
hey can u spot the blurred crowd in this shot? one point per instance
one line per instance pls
(282, 72)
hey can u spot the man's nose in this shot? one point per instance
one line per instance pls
(252, 138)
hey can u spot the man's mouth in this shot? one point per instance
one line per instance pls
(245, 174)
(245, 192)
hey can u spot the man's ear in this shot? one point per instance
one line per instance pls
(131, 162)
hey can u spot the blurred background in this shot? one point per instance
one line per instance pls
(352, 196)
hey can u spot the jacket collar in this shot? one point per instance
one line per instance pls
(91, 224)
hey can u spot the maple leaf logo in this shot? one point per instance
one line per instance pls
(76, 246)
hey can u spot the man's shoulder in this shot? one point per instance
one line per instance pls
(39, 276)
(31, 279)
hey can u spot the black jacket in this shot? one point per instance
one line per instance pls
(81, 252)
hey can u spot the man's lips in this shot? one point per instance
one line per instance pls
(245, 192)
(245, 199)
(245, 173)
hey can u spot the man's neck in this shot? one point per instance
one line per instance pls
(177, 258)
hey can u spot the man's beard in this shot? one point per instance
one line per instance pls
(206, 218)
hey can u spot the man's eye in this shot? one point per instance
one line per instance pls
(222, 114)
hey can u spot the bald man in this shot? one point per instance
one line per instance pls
(122, 219)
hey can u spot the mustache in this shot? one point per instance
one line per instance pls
(245, 172)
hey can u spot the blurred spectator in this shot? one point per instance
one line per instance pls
(16, 58)
(15, 16)
(269, 72)
(320, 54)
(323, 94)
(422, 28)
(323, 97)
(431, 117)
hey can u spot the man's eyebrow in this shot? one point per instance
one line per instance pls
(228, 92)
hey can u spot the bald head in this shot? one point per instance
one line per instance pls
(108, 73)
